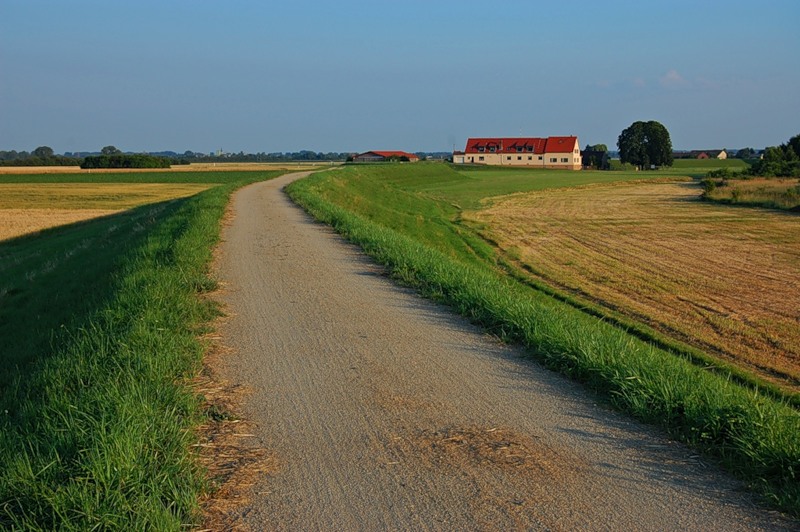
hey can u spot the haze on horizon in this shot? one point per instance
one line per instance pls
(419, 76)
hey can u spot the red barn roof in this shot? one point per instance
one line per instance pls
(521, 145)
(391, 153)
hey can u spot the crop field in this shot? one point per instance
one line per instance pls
(193, 168)
(31, 207)
(724, 280)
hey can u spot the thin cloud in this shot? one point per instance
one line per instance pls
(673, 80)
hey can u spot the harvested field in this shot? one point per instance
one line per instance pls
(27, 208)
(197, 167)
(18, 222)
(724, 280)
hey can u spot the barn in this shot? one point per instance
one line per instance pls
(383, 156)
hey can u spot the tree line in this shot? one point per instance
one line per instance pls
(111, 157)
(41, 156)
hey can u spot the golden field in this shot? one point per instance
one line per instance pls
(31, 207)
(195, 167)
(726, 280)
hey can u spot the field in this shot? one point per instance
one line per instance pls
(724, 280)
(31, 207)
(776, 193)
(423, 222)
(100, 325)
(194, 168)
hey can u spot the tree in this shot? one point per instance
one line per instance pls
(746, 153)
(599, 147)
(110, 150)
(645, 144)
(43, 152)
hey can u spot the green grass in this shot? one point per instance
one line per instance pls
(771, 193)
(393, 215)
(99, 326)
(695, 168)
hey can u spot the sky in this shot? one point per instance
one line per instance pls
(351, 76)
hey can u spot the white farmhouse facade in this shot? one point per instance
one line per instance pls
(550, 152)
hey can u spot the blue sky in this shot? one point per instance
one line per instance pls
(417, 75)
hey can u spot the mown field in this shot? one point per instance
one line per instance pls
(423, 221)
(724, 280)
(99, 339)
(30, 207)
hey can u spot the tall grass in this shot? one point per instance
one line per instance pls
(97, 418)
(753, 435)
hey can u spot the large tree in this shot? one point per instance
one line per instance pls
(645, 144)
(43, 152)
(110, 150)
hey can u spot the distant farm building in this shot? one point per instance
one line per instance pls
(383, 156)
(701, 154)
(552, 152)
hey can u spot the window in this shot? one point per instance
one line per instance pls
(492, 149)
(530, 157)
(481, 148)
(508, 158)
(540, 157)
(553, 160)
(564, 159)
(519, 157)
(519, 149)
(480, 158)
(530, 148)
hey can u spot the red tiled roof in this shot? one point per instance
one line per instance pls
(394, 153)
(561, 144)
(521, 144)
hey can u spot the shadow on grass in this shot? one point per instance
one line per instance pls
(54, 281)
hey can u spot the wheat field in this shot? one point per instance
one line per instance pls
(30, 207)
(726, 280)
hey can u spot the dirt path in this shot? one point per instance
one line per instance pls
(384, 411)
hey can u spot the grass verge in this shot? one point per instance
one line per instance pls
(96, 413)
(753, 435)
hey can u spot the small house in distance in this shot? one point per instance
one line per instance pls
(550, 152)
(383, 156)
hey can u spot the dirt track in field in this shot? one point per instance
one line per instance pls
(379, 410)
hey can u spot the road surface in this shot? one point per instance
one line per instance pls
(383, 411)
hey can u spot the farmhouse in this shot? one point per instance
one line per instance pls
(552, 152)
(382, 156)
(701, 154)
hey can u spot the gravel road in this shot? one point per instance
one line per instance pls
(384, 411)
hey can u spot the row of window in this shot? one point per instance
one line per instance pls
(530, 158)
(520, 149)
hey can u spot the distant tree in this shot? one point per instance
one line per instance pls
(110, 150)
(746, 153)
(599, 147)
(43, 152)
(645, 144)
(794, 143)
(779, 161)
